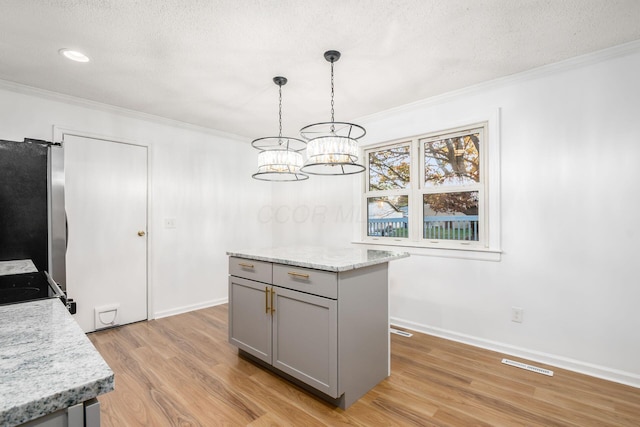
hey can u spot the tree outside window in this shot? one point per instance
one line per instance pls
(442, 173)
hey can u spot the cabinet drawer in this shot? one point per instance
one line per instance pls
(250, 269)
(315, 282)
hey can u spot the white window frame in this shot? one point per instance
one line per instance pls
(388, 193)
(488, 245)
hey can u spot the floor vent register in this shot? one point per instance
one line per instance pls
(399, 332)
(527, 367)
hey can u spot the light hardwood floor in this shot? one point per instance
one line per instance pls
(180, 371)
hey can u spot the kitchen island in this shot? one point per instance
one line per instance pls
(50, 373)
(317, 316)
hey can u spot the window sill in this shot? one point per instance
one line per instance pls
(478, 254)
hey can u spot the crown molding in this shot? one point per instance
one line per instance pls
(535, 73)
(99, 106)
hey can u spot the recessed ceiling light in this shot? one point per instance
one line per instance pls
(74, 55)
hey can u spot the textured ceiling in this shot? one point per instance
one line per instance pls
(210, 62)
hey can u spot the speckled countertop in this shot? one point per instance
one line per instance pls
(17, 266)
(320, 258)
(47, 363)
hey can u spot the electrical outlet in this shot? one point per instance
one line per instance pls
(169, 223)
(517, 314)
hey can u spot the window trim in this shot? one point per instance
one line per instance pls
(488, 245)
(387, 193)
(481, 186)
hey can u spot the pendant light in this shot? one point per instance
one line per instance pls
(332, 147)
(279, 158)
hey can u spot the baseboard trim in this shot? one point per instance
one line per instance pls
(574, 365)
(188, 308)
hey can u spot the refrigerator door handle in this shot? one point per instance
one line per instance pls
(66, 232)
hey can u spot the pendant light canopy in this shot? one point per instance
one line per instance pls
(332, 147)
(279, 158)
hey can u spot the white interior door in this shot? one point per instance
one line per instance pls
(106, 204)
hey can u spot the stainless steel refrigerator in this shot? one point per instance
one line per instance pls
(32, 218)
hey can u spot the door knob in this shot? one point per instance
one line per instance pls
(141, 233)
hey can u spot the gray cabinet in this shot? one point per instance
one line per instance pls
(293, 331)
(85, 414)
(327, 330)
(305, 338)
(250, 317)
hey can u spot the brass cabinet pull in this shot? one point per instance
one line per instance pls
(304, 276)
(266, 299)
(273, 310)
(141, 233)
(242, 264)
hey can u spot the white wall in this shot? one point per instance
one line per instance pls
(200, 178)
(321, 211)
(569, 151)
(569, 172)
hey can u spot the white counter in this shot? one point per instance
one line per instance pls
(47, 363)
(320, 258)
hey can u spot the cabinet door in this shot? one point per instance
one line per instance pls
(250, 317)
(305, 339)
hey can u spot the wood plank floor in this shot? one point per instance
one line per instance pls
(180, 371)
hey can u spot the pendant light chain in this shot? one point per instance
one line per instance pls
(332, 93)
(280, 111)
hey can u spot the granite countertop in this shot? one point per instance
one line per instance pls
(320, 258)
(47, 363)
(17, 267)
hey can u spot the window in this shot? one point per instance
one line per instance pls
(389, 183)
(429, 191)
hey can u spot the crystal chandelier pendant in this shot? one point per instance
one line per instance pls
(332, 152)
(279, 158)
(332, 147)
(280, 165)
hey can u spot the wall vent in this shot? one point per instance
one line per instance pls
(527, 367)
(399, 332)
